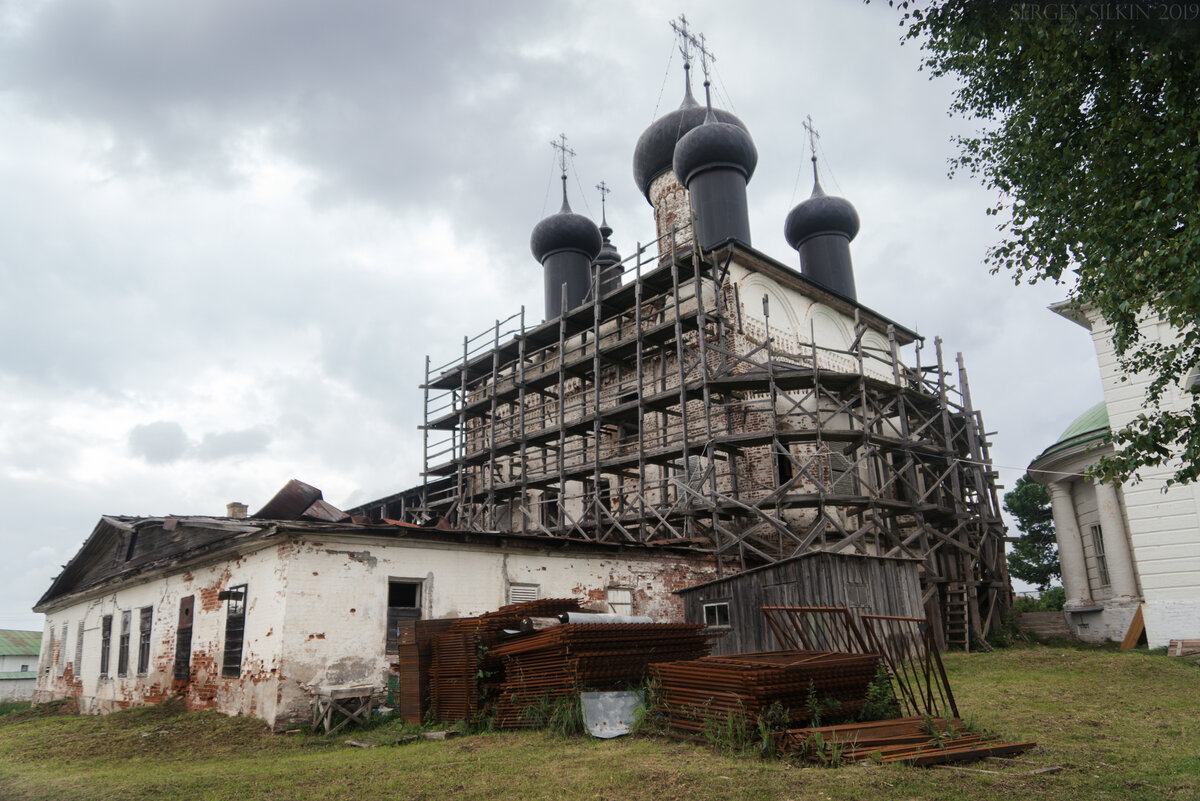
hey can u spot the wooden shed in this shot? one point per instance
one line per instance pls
(877, 585)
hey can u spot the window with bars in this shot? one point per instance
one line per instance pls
(143, 663)
(235, 629)
(1101, 559)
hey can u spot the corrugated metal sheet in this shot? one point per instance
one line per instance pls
(20, 643)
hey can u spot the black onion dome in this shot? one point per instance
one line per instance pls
(655, 151)
(565, 230)
(715, 144)
(820, 214)
(609, 255)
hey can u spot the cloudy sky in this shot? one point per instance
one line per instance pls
(230, 231)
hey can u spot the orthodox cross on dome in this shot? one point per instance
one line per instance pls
(706, 55)
(685, 40)
(604, 190)
(813, 136)
(560, 144)
(688, 42)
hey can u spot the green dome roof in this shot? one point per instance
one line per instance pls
(1092, 424)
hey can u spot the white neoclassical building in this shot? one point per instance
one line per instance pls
(1121, 547)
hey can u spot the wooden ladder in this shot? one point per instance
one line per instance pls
(958, 629)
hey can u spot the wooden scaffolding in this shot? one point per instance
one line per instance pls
(660, 413)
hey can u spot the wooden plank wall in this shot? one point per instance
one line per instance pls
(864, 584)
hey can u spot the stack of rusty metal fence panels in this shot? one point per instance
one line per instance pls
(914, 740)
(463, 670)
(718, 689)
(558, 662)
(414, 663)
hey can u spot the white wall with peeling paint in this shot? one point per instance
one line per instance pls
(253, 693)
(337, 591)
(316, 615)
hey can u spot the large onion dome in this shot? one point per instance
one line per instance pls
(714, 145)
(655, 150)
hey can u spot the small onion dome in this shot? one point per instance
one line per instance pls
(608, 252)
(714, 145)
(820, 214)
(655, 151)
(565, 231)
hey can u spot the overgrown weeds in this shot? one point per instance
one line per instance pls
(561, 715)
(881, 702)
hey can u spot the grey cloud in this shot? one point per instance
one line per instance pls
(161, 442)
(232, 443)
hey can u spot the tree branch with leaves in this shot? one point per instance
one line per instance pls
(1090, 135)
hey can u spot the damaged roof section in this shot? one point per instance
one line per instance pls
(123, 547)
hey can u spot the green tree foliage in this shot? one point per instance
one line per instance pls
(1090, 135)
(1034, 557)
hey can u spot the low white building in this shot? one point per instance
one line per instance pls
(1121, 547)
(258, 616)
(18, 664)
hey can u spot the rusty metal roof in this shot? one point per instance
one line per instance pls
(20, 643)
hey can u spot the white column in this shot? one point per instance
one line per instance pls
(1070, 546)
(1116, 543)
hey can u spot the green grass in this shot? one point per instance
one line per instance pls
(8, 707)
(1122, 725)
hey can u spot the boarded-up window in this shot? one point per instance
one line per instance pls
(123, 645)
(620, 600)
(147, 616)
(235, 629)
(522, 593)
(404, 605)
(105, 644)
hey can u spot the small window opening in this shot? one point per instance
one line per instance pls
(147, 617)
(77, 665)
(105, 644)
(62, 650)
(404, 606)
(183, 639)
(1101, 559)
(783, 469)
(716, 615)
(550, 508)
(404, 593)
(123, 645)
